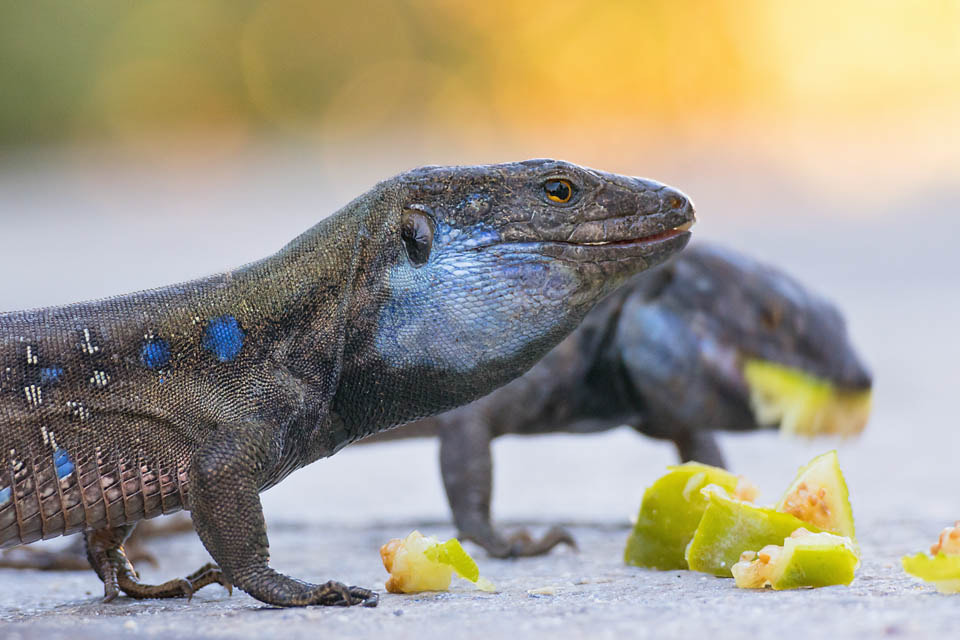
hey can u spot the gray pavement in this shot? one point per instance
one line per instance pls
(586, 594)
(81, 230)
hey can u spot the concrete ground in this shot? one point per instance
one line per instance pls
(891, 265)
(564, 595)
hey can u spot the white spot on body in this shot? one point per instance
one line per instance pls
(34, 395)
(87, 346)
(77, 410)
(100, 379)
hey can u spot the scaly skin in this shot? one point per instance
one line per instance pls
(662, 354)
(430, 290)
(678, 330)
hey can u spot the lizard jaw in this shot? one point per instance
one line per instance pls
(663, 235)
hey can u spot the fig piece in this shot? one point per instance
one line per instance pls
(670, 512)
(802, 404)
(730, 526)
(942, 565)
(805, 560)
(423, 563)
(942, 570)
(819, 495)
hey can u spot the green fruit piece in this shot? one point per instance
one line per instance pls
(805, 560)
(670, 513)
(423, 563)
(453, 554)
(942, 566)
(802, 404)
(819, 496)
(730, 526)
(411, 571)
(942, 570)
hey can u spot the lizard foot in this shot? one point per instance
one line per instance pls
(521, 543)
(128, 582)
(337, 594)
(330, 594)
(266, 585)
(108, 558)
(524, 544)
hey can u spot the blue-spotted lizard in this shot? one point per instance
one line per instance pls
(430, 290)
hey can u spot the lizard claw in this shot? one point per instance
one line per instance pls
(337, 594)
(370, 599)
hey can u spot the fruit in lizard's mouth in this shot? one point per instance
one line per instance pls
(802, 404)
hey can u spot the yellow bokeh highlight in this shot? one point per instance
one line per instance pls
(122, 72)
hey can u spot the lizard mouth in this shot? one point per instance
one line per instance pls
(644, 240)
(624, 250)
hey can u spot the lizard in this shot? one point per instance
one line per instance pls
(428, 291)
(681, 330)
(663, 354)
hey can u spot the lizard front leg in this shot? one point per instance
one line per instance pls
(467, 468)
(225, 480)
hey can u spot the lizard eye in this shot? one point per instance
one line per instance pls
(770, 318)
(558, 190)
(416, 231)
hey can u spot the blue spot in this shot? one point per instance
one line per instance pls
(5, 494)
(155, 353)
(223, 338)
(61, 460)
(50, 375)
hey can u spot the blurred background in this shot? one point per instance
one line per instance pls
(150, 142)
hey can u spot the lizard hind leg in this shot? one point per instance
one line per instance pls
(466, 465)
(108, 558)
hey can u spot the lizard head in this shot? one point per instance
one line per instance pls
(488, 267)
(749, 346)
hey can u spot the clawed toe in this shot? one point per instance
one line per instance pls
(124, 579)
(522, 544)
(208, 574)
(337, 594)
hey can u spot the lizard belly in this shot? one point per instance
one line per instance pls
(58, 484)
